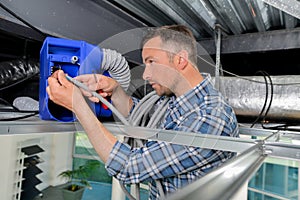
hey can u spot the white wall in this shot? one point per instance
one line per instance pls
(57, 157)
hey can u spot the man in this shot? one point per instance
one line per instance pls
(169, 54)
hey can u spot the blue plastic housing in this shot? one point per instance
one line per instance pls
(73, 57)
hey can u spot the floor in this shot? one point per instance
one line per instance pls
(101, 191)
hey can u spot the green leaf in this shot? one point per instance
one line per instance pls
(81, 174)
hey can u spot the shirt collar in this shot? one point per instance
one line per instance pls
(193, 95)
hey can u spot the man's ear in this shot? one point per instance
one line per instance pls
(182, 59)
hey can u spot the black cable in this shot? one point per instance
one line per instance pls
(22, 20)
(265, 74)
(266, 100)
(271, 98)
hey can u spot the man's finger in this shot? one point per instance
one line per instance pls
(62, 78)
(84, 77)
(85, 93)
(94, 99)
(52, 81)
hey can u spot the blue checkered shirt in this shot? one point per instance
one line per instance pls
(202, 110)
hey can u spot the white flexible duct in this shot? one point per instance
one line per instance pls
(98, 60)
(117, 66)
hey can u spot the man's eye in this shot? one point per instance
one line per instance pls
(149, 61)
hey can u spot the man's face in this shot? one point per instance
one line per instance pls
(159, 71)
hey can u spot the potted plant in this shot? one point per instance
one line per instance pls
(77, 179)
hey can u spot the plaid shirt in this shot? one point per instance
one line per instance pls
(202, 110)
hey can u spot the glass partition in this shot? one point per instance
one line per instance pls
(100, 180)
(83, 151)
(276, 179)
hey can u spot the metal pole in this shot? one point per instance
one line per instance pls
(218, 57)
(234, 174)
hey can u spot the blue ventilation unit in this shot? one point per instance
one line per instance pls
(74, 58)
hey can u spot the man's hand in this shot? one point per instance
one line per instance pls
(102, 84)
(64, 93)
(107, 86)
(61, 91)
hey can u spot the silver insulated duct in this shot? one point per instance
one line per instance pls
(247, 95)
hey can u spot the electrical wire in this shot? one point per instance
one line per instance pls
(265, 102)
(263, 120)
(271, 98)
(279, 127)
(134, 113)
(143, 108)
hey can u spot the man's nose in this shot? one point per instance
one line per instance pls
(147, 73)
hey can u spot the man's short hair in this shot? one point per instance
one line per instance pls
(174, 39)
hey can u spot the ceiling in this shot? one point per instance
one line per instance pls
(234, 16)
(75, 18)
